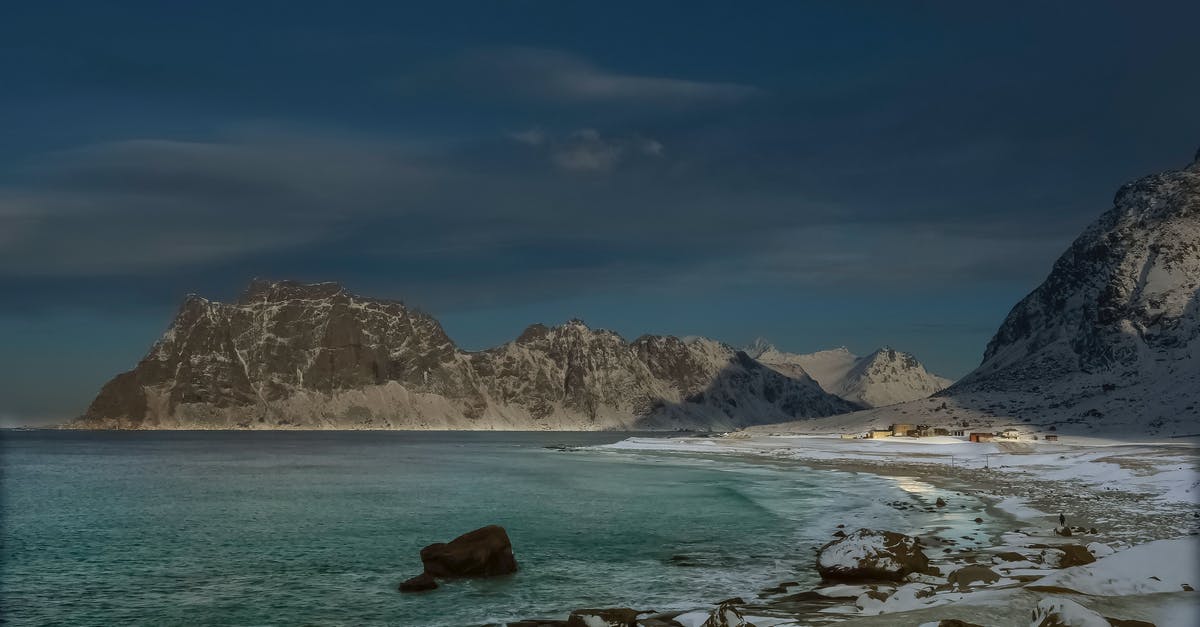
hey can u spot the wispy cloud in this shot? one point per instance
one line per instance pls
(587, 150)
(556, 76)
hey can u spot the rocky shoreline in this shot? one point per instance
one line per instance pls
(1029, 565)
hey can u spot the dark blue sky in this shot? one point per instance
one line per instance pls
(820, 174)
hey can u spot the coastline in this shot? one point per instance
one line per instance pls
(1119, 497)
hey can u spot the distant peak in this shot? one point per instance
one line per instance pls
(759, 347)
(532, 333)
(1195, 161)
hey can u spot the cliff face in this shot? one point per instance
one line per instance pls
(316, 356)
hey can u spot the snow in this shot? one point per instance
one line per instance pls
(850, 551)
(1015, 506)
(884, 377)
(1168, 473)
(1160, 566)
(1067, 612)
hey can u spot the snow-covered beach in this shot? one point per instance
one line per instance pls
(1131, 508)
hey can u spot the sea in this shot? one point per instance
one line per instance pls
(319, 527)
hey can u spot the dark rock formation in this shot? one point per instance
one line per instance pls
(485, 552)
(726, 614)
(1074, 555)
(609, 617)
(968, 575)
(420, 583)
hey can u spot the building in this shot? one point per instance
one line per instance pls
(940, 431)
(879, 434)
(901, 429)
(1010, 434)
(959, 433)
(979, 436)
(1051, 438)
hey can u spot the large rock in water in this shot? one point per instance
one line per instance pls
(872, 555)
(485, 552)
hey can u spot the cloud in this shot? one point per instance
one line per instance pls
(151, 205)
(587, 150)
(560, 77)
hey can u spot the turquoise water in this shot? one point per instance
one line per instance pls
(290, 528)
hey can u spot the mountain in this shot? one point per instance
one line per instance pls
(291, 355)
(885, 377)
(1108, 344)
(1111, 338)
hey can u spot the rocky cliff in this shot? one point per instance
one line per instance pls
(290, 355)
(1107, 345)
(1111, 338)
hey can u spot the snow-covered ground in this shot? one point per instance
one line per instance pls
(1164, 473)
(1132, 507)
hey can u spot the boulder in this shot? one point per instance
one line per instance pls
(607, 617)
(954, 622)
(420, 583)
(726, 615)
(485, 552)
(1011, 556)
(866, 555)
(940, 502)
(1074, 555)
(968, 575)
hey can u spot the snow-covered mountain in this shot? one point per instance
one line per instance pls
(885, 377)
(1108, 344)
(1111, 339)
(317, 356)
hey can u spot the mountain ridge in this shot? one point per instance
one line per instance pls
(1107, 344)
(295, 355)
(883, 377)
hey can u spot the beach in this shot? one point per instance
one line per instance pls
(1131, 505)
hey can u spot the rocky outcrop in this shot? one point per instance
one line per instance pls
(968, 575)
(421, 583)
(726, 614)
(1068, 555)
(484, 552)
(291, 355)
(885, 377)
(609, 617)
(867, 555)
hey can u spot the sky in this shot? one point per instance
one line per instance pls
(820, 174)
